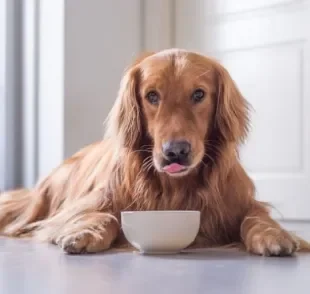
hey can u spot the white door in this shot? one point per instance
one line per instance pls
(265, 44)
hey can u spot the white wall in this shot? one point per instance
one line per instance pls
(101, 38)
(84, 47)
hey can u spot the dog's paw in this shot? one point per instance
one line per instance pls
(273, 242)
(82, 242)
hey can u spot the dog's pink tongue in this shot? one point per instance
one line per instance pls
(173, 168)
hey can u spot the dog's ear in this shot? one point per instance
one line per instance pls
(129, 125)
(125, 118)
(232, 110)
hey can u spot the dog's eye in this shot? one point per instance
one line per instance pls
(153, 97)
(198, 95)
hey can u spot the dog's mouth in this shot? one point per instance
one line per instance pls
(174, 168)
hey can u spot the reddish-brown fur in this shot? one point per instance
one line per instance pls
(78, 205)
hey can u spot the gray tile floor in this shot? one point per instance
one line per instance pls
(32, 268)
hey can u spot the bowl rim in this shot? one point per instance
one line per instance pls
(159, 211)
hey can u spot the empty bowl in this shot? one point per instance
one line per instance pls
(160, 232)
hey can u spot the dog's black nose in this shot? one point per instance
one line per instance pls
(176, 151)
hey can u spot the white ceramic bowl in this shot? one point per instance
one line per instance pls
(160, 232)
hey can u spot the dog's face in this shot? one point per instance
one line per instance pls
(177, 94)
(178, 100)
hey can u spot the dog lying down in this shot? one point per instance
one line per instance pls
(171, 143)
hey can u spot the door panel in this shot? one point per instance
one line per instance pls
(265, 47)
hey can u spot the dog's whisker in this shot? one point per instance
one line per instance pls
(141, 150)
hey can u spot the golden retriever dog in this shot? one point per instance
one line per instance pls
(171, 143)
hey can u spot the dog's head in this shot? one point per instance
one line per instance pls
(179, 104)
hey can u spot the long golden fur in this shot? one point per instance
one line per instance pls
(78, 205)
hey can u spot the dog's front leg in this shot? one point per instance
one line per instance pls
(84, 226)
(262, 235)
(92, 232)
